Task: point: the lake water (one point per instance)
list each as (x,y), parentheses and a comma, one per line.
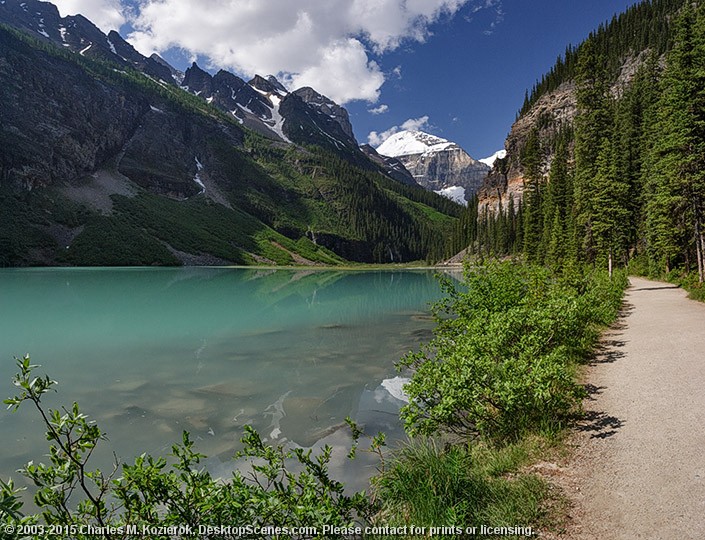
(149,353)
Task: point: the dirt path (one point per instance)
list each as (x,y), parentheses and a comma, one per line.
(639,471)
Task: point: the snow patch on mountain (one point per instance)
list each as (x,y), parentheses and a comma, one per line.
(454,193)
(277,121)
(499,154)
(407,143)
(197,177)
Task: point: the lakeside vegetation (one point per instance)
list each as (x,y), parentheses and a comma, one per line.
(503,394)
(623,185)
(498,384)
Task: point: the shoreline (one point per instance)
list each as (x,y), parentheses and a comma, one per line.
(357,268)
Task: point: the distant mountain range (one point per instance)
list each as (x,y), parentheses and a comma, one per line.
(438,164)
(111,157)
(257,104)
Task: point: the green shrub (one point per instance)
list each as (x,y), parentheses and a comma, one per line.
(690,282)
(502,362)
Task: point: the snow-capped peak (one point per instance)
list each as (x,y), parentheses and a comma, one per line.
(407,143)
(499,154)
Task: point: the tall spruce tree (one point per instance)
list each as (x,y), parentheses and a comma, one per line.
(610,215)
(533,197)
(592,124)
(558,206)
(677,169)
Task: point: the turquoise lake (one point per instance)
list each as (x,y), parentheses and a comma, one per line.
(148,353)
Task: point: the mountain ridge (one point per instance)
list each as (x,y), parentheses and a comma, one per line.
(103,164)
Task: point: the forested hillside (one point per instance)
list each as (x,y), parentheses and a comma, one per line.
(101,164)
(622,180)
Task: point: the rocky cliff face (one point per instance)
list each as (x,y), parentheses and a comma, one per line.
(552,112)
(328,108)
(435,163)
(58,123)
(450,167)
(506,180)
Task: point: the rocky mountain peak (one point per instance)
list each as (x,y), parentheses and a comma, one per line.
(412,142)
(121,48)
(198,81)
(270,85)
(435,163)
(176,74)
(233,94)
(392,166)
(276,84)
(39,17)
(328,107)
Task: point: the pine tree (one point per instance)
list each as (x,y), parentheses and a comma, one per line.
(677,168)
(592,123)
(558,206)
(610,217)
(533,198)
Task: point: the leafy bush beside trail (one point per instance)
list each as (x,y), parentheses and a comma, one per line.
(502,363)
(500,379)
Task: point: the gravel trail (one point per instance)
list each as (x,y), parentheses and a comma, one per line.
(639,468)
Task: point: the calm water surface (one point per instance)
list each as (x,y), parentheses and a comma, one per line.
(149,353)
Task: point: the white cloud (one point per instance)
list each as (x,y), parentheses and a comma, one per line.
(105,14)
(343,73)
(415,124)
(379,110)
(412,124)
(304,42)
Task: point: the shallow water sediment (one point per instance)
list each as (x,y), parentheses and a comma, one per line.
(149,353)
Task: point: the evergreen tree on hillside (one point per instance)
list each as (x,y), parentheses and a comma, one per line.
(610,218)
(533,198)
(592,126)
(558,219)
(632,137)
(677,170)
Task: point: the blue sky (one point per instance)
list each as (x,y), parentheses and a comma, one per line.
(455,68)
(471,83)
